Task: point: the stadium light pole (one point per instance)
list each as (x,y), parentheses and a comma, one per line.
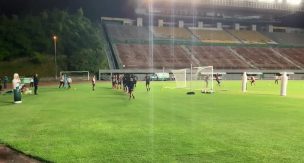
(55,51)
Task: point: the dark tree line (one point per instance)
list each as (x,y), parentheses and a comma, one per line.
(79,43)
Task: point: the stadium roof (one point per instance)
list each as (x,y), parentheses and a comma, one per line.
(282,5)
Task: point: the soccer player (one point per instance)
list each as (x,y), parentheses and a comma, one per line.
(93,82)
(148,80)
(135,80)
(5,81)
(0,85)
(36,83)
(113,81)
(69,81)
(131,88)
(17,89)
(252,80)
(217,79)
(117,83)
(32,81)
(119,78)
(125,82)
(206,80)
(61,82)
(276,81)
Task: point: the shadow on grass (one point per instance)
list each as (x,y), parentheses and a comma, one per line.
(22,153)
(6,103)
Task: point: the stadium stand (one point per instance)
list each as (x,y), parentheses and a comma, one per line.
(286,38)
(296,55)
(251,37)
(170,33)
(138,56)
(126,32)
(219,57)
(214,36)
(264,58)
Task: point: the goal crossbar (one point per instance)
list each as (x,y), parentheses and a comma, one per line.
(76,72)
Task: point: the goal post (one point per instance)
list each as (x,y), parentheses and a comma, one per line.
(77,75)
(180,77)
(202,79)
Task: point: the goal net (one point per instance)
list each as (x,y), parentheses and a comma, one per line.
(77,75)
(202,79)
(180,77)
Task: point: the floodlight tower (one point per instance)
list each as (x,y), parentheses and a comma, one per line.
(55,51)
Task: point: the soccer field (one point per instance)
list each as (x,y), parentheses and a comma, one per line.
(164,125)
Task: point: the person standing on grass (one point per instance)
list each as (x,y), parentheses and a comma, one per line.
(252,80)
(135,80)
(148,80)
(65,80)
(61,82)
(36,83)
(113,81)
(125,83)
(32,81)
(206,79)
(93,82)
(119,78)
(0,84)
(217,79)
(131,88)
(276,81)
(17,89)
(69,80)
(5,80)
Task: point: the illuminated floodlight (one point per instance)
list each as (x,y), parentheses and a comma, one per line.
(294,2)
(267,1)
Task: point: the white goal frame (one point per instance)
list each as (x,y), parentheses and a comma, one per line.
(67,72)
(183,74)
(199,69)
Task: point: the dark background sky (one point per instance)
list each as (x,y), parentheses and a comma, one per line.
(94,9)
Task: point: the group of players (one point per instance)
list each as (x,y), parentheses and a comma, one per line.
(127,82)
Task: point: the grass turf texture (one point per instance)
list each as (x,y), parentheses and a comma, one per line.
(164,125)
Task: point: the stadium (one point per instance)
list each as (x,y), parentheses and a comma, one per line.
(217,81)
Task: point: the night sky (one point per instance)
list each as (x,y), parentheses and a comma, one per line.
(94,9)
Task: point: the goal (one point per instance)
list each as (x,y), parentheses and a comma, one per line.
(180,77)
(77,75)
(202,79)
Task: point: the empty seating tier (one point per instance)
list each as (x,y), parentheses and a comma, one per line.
(140,56)
(214,36)
(264,58)
(172,33)
(251,37)
(296,55)
(219,57)
(125,32)
(286,38)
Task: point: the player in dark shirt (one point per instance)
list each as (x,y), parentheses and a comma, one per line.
(148,80)
(135,80)
(131,84)
(114,81)
(252,80)
(277,78)
(119,81)
(36,83)
(125,83)
(217,79)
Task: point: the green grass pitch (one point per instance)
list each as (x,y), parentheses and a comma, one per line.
(164,125)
